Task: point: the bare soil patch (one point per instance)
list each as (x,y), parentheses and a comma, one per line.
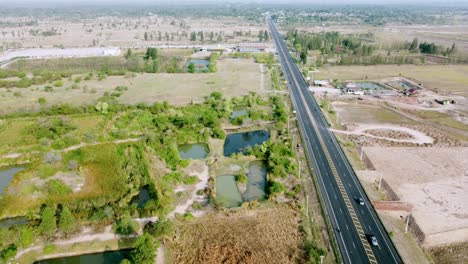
(435,182)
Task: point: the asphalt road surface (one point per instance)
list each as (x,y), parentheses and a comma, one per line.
(353,223)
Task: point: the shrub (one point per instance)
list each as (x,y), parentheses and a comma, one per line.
(57,187)
(42,101)
(161,228)
(58,83)
(189,180)
(126,226)
(242,178)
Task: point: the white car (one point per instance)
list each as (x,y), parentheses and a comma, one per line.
(374,241)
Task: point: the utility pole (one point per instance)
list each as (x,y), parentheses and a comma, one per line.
(321,259)
(361,153)
(307,206)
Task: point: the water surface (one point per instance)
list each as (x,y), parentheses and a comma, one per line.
(193,151)
(108,257)
(239,142)
(6,175)
(200,65)
(239,111)
(256,181)
(227,192)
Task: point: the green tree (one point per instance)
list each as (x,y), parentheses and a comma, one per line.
(66,221)
(48,225)
(129,54)
(8,253)
(162,227)
(266,37)
(414,44)
(145,250)
(151,54)
(126,225)
(146,36)
(26,236)
(303,56)
(191,68)
(260,35)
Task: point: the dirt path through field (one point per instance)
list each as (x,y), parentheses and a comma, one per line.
(201,171)
(417,137)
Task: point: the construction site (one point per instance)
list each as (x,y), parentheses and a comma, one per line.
(407,141)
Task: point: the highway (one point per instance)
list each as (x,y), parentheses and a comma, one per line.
(340,189)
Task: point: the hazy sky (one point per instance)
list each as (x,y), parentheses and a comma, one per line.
(61,2)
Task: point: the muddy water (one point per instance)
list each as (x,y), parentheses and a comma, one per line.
(108,257)
(193,151)
(240,142)
(6,175)
(256,181)
(227,192)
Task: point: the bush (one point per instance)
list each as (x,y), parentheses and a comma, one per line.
(274,188)
(8,253)
(49,249)
(189,180)
(42,101)
(58,83)
(126,226)
(161,228)
(242,178)
(57,187)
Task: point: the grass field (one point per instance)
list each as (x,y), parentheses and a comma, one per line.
(14,133)
(444,78)
(360,113)
(260,236)
(234,77)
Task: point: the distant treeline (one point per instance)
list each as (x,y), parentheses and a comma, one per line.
(362,49)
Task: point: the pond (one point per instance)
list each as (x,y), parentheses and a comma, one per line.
(240,110)
(369,86)
(227,192)
(193,151)
(6,175)
(7,222)
(108,257)
(239,142)
(200,65)
(256,181)
(142,197)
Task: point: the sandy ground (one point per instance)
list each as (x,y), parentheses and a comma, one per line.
(417,136)
(126,31)
(435,182)
(199,169)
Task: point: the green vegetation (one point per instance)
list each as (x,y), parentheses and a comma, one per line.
(145,250)
(48,225)
(126,226)
(159,229)
(242,178)
(67,222)
(361,49)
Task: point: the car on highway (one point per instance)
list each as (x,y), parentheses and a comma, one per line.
(374,240)
(360,201)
